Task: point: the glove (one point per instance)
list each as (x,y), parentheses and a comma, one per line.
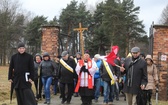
(82,69)
(86,70)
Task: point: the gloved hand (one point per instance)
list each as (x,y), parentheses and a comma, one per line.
(86,70)
(82,69)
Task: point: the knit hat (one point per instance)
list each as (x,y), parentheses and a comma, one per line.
(46,54)
(97,56)
(79,53)
(20,44)
(64,53)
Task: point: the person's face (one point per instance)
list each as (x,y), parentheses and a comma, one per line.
(148,61)
(135,54)
(46,58)
(95,59)
(86,56)
(142,57)
(65,57)
(38,59)
(21,50)
(78,56)
(107,54)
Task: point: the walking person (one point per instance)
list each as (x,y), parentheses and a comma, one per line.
(67,74)
(48,70)
(77,58)
(37,80)
(55,80)
(106,73)
(86,69)
(136,76)
(97,79)
(21,73)
(152,78)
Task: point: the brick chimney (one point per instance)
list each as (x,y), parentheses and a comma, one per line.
(50,40)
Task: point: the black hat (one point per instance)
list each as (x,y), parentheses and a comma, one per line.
(20,44)
(64,53)
(45,54)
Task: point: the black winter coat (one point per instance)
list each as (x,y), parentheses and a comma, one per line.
(48,68)
(136,74)
(66,76)
(103,72)
(20,66)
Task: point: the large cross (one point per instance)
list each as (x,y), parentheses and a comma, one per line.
(80,30)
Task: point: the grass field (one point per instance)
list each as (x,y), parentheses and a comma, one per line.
(5,89)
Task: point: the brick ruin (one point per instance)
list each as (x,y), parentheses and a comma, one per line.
(158,47)
(50,42)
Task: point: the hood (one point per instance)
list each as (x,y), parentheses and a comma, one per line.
(37,55)
(149,57)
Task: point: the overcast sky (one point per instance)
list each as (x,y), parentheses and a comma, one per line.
(150,10)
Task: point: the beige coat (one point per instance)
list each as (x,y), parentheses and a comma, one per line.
(152,77)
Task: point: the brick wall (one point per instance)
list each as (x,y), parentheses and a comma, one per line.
(160,47)
(50,40)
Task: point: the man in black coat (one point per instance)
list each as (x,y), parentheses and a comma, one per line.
(66,76)
(136,76)
(21,73)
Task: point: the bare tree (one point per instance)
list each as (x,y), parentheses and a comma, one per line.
(164,16)
(11,27)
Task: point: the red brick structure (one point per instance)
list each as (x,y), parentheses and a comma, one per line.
(50,40)
(158,47)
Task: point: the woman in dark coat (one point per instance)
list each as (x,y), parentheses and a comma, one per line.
(48,70)
(21,73)
(37,80)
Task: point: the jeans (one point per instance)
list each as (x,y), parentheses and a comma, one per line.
(46,84)
(97,87)
(111,93)
(106,91)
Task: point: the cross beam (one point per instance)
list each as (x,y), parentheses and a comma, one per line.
(80,30)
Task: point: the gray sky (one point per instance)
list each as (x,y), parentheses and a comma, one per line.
(150,10)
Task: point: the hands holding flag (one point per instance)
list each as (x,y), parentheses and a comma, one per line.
(112,56)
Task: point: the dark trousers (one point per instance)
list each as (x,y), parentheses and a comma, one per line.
(38,85)
(70,91)
(86,100)
(25,97)
(149,95)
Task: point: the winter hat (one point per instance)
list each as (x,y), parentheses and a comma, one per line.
(135,49)
(64,53)
(20,44)
(46,54)
(79,53)
(97,56)
(149,57)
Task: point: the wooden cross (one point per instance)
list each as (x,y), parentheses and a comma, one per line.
(80,30)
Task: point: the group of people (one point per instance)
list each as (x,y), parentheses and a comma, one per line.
(82,76)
